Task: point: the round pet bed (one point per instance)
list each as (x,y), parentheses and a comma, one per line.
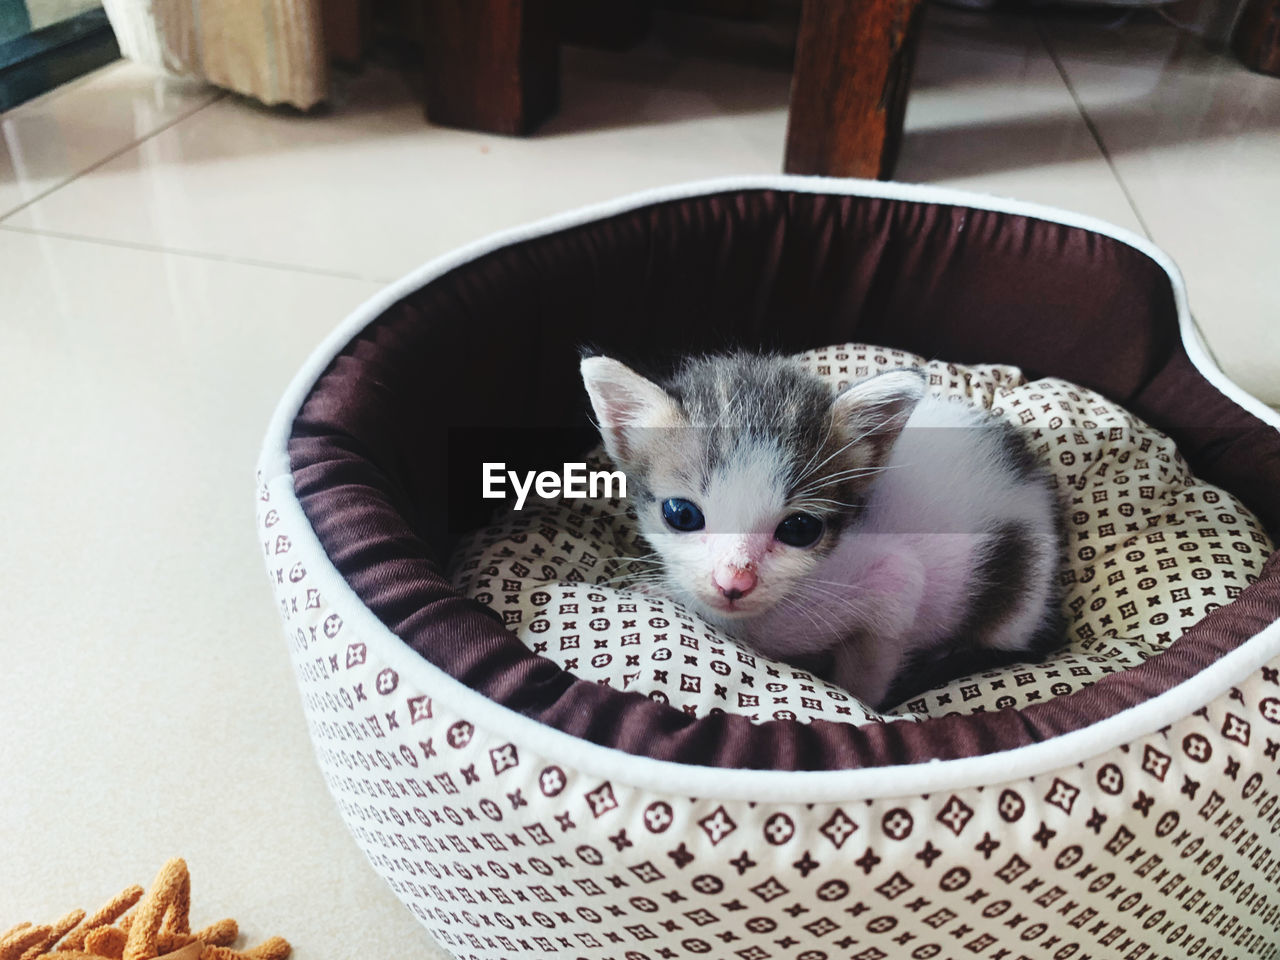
(522,810)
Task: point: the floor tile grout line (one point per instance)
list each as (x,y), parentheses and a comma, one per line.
(218,95)
(1091,126)
(195,254)
(1106,155)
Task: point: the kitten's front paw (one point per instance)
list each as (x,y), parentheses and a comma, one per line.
(866,670)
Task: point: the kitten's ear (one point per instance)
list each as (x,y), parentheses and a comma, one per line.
(626,405)
(877,409)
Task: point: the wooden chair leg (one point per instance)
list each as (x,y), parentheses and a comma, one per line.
(731,9)
(609,24)
(492,65)
(346,29)
(849,88)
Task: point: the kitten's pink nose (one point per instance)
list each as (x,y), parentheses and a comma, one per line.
(734,582)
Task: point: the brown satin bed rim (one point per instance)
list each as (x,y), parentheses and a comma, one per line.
(487,339)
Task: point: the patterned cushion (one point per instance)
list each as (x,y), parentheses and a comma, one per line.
(1151,550)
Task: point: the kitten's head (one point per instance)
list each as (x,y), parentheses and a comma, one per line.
(745,469)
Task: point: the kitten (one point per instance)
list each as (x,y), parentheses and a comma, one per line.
(895,537)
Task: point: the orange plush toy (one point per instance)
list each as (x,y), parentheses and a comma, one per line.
(159,929)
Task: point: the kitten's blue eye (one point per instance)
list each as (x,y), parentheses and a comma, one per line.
(799,530)
(682,515)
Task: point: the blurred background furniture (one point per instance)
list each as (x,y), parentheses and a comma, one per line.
(492,65)
(273,51)
(1256,38)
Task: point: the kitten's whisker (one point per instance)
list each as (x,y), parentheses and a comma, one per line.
(814,613)
(805,578)
(803,472)
(651,570)
(812,470)
(824,587)
(819,589)
(865,433)
(822,619)
(857,472)
(831,597)
(636,577)
(815,501)
(625,578)
(805,612)
(845,475)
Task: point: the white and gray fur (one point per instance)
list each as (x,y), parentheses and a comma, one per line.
(940,545)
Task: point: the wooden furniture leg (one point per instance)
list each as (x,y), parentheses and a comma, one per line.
(492,65)
(611,24)
(1256,36)
(346,29)
(732,9)
(849,86)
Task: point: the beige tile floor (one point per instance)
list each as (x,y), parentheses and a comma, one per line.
(168,256)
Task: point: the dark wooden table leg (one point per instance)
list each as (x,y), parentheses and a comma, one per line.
(732,9)
(492,65)
(610,24)
(849,87)
(1256,36)
(346,29)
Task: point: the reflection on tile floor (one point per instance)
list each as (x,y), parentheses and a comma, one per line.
(1193,138)
(989,112)
(46,143)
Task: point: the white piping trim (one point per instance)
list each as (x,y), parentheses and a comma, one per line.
(737,784)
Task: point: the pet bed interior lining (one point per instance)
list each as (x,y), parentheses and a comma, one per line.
(1149,549)
(367,447)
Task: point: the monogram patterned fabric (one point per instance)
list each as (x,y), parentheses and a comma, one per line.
(1163,846)
(1150,551)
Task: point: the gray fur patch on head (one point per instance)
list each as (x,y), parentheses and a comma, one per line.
(754,426)
(742,399)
